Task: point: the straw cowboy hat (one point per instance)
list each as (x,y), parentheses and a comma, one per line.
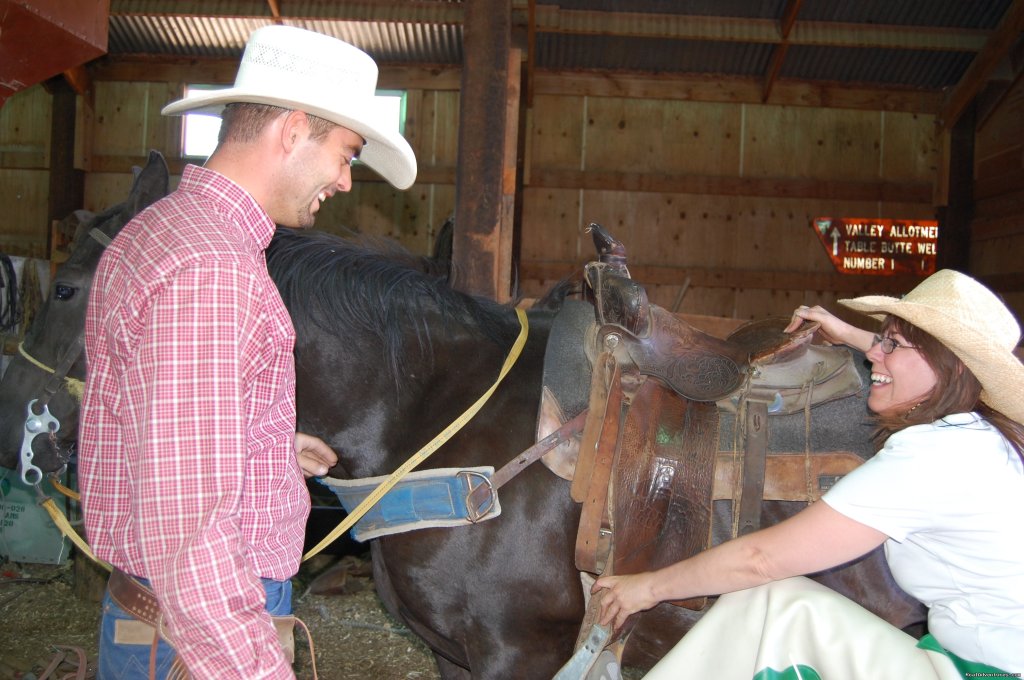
(311,72)
(971,321)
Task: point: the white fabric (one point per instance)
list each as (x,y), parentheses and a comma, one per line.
(797,622)
(950,496)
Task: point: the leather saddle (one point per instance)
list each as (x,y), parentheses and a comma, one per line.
(647,466)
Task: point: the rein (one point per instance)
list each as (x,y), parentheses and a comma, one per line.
(429,448)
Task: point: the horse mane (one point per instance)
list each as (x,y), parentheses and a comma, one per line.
(375,285)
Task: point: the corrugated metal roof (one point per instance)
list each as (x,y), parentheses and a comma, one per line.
(909,68)
(967,14)
(651,55)
(919,44)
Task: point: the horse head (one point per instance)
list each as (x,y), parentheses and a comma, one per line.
(40,392)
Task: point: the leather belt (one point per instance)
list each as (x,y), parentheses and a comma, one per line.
(134,597)
(140,601)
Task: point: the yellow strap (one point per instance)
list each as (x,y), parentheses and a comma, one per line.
(65,528)
(75,387)
(70,493)
(428,449)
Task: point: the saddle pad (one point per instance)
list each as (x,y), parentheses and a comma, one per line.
(566,365)
(420,500)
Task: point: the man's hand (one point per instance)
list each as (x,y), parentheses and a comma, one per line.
(315,456)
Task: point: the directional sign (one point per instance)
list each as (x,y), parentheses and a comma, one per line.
(879,247)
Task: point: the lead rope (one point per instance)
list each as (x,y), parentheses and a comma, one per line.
(75,386)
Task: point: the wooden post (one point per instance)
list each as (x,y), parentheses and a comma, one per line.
(67,185)
(953,249)
(481,245)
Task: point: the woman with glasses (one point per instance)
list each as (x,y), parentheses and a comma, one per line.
(944,495)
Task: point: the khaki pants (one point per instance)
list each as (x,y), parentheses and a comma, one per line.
(799,629)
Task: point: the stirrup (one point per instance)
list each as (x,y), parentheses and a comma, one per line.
(606,668)
(577,667)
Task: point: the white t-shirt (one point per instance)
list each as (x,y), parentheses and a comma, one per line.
(950,497)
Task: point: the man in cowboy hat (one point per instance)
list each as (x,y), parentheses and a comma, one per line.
(190,480)
(944,495)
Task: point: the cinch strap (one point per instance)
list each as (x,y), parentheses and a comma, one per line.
(427,498)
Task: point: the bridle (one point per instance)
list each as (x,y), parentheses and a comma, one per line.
(44,422)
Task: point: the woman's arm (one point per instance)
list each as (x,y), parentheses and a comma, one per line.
(815,539)
(833,329)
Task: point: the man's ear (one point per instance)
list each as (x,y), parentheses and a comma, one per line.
(294,129)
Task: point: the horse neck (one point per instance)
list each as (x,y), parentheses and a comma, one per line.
(377,418)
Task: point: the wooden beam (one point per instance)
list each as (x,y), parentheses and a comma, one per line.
(720,89)
(904,192)
(275,10)
(745,279)
(394,11)
(425,174)
(736,90)
(953,247)
(531,49)
(222,71)
(554,19)
(994,94)
(996,48)
(608,181)
(779,53)
(479,177)
(67,185)
(79,80)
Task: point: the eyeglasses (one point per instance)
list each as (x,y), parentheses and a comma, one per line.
(890,344)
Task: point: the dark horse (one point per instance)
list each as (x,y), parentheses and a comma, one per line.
(387,355)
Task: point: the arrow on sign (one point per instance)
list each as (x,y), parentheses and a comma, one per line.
(835,241)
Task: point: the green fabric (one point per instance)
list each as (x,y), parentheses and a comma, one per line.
(798,672)
(967,669)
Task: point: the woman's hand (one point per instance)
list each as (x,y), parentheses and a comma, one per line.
(315,456)
(833,329)
(623,596)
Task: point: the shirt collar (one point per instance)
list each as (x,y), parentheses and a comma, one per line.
(236,204)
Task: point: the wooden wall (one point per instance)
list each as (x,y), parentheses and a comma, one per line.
(714,200)
(997,230)
(24,173)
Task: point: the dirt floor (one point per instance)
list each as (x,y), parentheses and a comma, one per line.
(354,636)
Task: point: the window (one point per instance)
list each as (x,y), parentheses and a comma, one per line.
(199,130)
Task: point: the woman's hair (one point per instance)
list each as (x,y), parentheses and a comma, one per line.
(956,390)
(243,122)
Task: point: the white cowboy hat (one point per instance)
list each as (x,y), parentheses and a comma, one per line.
(971,321)
(320,75)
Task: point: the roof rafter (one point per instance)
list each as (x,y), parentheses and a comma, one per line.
(984,65)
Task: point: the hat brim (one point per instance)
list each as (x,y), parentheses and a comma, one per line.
(999,371)
(386,151)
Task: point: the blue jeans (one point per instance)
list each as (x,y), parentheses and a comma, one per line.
(129,660)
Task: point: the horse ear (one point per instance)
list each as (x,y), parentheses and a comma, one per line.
(151,183)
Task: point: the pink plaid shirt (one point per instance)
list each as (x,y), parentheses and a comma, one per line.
(187,467)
